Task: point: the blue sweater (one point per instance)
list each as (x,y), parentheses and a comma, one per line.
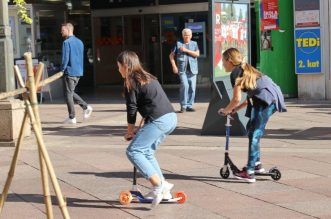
(72,57)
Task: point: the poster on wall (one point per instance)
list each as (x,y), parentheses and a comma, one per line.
(266,40)
(308,51)
(230,30)
(307,13)
(269,15)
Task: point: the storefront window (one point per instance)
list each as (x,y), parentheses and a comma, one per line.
(50,39)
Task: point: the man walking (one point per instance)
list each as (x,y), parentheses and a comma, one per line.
(72,66)
(186,53)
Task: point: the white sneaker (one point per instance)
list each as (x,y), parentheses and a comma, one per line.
(159,191)
(88,112)
(70,121)
(166,195)
(258,167)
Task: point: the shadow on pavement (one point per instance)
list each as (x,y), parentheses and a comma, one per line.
(168,176)
(100,130)
(313,133)
(73,202)
(312,106)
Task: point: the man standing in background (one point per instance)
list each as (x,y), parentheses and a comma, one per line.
(72,66)
(186,53)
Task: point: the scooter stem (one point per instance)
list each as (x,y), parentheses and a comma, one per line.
(228,118)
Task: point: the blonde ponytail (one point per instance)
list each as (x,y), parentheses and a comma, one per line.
(248,80)
(250,74)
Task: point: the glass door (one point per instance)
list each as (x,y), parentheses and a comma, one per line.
(108,43)
(138,33)
(133,39)
(151,46)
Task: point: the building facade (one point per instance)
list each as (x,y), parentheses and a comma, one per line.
(152,27)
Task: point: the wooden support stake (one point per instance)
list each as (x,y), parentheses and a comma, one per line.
(40,71)
(33,98)
(19,76)
(34,115)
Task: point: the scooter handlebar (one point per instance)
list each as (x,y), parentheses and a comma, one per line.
(228,118)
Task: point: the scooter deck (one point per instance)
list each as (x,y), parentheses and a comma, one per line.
(137,197)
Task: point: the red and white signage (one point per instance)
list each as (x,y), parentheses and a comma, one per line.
(269,15)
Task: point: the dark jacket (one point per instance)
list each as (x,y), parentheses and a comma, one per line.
(149,100)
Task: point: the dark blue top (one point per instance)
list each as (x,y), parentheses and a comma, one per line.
(72,57)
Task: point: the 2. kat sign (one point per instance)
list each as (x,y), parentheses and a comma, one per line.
(308,51)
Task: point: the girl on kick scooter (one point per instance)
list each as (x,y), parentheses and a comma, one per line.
(144,94)
(264,97)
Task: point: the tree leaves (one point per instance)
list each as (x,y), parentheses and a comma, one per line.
(22,11)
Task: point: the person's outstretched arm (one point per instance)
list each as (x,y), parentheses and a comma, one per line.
(233,103)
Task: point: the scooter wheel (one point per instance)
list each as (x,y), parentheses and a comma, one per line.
(224,173)
(275,174)
(125,198)
(181,195)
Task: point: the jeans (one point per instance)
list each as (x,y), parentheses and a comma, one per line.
(255,129)
(71,97)
(187,89)
(141,150)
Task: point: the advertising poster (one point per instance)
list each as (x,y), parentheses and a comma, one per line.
(230,30)
(308,51)
(266,40)
(307,13)
(269,15)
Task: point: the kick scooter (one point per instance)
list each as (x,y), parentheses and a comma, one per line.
(274,172)
(134,195)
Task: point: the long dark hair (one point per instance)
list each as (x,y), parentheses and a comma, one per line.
(136,73)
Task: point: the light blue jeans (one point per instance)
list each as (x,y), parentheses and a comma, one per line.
(188,83)
(255,130)
(141,150)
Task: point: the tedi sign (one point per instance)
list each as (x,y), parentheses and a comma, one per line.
(308,51)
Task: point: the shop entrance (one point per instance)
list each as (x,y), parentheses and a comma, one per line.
(139,33)
(151,32)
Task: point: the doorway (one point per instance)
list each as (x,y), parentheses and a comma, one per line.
(138,33)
